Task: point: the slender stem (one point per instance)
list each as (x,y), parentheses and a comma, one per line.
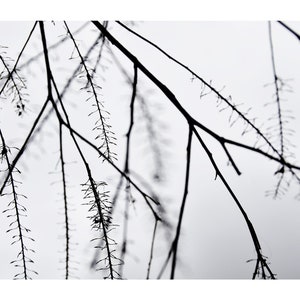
(54,46)
(127,170)
(128,134)
(97,102)
(37,125)
(185,193)
(66,86)
(23,148)
(230,158)
(65,200)
(50,79)
(167,92)
(10,75)
(99,209)
(15,199)
(232,106)
(17,61)
(145,195)
(151,250)
(243,212)
(276,90)
(290,30)
(153,136)
(125,230)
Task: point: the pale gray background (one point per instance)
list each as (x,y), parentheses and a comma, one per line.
(215,242)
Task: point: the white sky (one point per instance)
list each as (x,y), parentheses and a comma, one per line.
(215,242)
(212,10)
(281,223)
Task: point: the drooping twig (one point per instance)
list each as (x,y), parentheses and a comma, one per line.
(37,124)
(185,193)
(91,185)
(65,88)
(166,91)
(223,141)
(17,210)
(151,250)
(66,211)
(146,197)
(25,144)
(106,133)
(260,258)
(278,102)
(174,244)
(74,132)
(127,170)
(99,56)
(149,118)
(66,123)
(278,84)
(15,90)
(52,47)
(128,134)
(17,61)
(232,106)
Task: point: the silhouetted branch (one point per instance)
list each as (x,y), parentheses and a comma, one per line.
(166,91)
(62,161)
(149,119)
(185,193)
(17,61)
(279,84)
(37,125)
(256,243)
(232,106)
(276,91)
(96,195)
(106,133)
(94,70)
(52,47)
(19,210)
(152,249)
(144,195)
(91,185)
(15,89)
(127,170)
(290,30)
(25,144)
(66,87)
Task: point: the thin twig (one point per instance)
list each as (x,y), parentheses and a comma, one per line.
(66,87)
(232,106)
(50,79)
(147,116)
(16,206)
(151,250)
(243,212)
(127,170)
(54,46)
(290,30)
(276,91)
(25,144)
(185,193)
(62,161)
(17,61)
(104,126)
(10,75)
(166,91)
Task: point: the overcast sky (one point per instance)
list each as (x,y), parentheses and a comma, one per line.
(215,242)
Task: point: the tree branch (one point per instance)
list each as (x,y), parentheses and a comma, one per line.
(290,30)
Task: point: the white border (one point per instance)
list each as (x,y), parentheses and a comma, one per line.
(150,10)
(153,289)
